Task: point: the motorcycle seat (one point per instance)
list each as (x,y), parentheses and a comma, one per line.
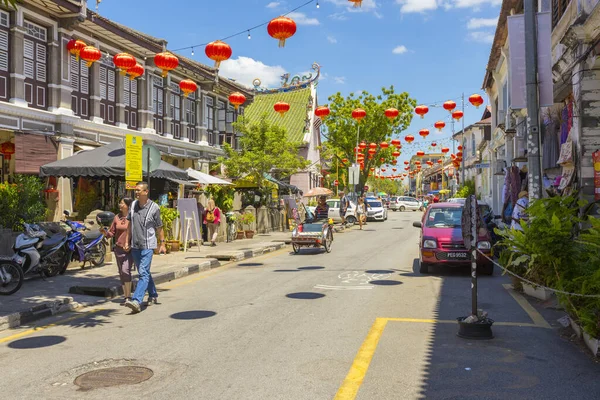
(53,240)
(91,235)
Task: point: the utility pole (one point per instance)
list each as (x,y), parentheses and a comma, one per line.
(463,136)
(533,117)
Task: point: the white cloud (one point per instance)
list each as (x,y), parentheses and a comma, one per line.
(417,6)
(400,49)
(421,6)
(302,19)
(340,16)
(478,23)
(245,69)
(339,79)
(331,39)
(273,4)
(482,36)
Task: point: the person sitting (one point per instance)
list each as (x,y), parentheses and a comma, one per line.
(322,210)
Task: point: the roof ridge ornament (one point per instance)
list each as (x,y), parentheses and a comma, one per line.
(297,82)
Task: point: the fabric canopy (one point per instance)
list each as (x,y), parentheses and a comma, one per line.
(104,162)
(205,179)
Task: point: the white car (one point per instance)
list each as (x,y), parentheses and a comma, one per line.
(334,211)
(460,200)
(376,210)
(403,203)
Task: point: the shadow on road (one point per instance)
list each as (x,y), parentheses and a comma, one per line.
(196,314)
(305,295)
(36,342)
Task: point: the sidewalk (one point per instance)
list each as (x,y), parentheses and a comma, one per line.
(39,298)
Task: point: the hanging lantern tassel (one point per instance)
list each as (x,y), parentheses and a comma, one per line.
(357,3)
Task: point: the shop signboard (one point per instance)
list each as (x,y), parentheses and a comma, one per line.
(133,160)
(596,161)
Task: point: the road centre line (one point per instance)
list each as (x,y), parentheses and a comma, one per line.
(535,316)
(43,327)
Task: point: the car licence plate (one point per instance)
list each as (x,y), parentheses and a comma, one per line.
(462,255)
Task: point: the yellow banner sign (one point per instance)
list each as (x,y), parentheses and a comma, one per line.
(133,158)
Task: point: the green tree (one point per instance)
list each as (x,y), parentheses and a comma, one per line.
(10,3)
(264,149)
(384,185)
(341,130)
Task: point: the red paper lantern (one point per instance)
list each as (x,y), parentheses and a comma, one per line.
(476,100)
(449,106)
(420,153)
(396,142)
(459,154)
(90,55)
(188,86)
(445,150)
(440,125)
(281,28)
(406,163)
(382,159)
(372,169)
(391,113)
(421,111)
(345,160)
(424,133)
(75,46)
(370,156)
(166,62)
(434,144)
(136,71)
(281,107)
(409,138)
(237,99)
(382,169)
(372,151)
(459,148)
(384,145)
(394,162)
(7,149)
(322,111)
(124,61)
(394,169)
(218,51)
(457,115)
(362,145)
(372,146)
(357,3)
(440,161)
(359,114)
(396,154)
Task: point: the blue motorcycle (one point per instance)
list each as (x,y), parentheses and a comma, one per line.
(83,245)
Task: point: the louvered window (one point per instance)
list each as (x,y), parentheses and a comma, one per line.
(108,104)
(558,9)
(130,98)
(35,55)
(4,55)
(229,119)
(209,118)
(221,124)
(190,117)
(175,110)
(158,103)
(80,83)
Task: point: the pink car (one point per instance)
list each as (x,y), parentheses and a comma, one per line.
(441,241)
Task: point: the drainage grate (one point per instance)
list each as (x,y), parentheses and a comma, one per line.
(116,376)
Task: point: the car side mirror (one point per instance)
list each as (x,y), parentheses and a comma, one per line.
(67,212)
(417,225)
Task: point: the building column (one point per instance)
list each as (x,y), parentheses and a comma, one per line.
(17,73)
(167,130)
(120,95)
(65,200)
(145,120)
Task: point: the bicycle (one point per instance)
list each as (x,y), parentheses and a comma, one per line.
(231,227)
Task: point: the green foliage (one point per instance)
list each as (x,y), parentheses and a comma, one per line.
(86,202)
(222,195)
(384,185)
(264,149)
(168,215)
(341,131)
(558,248)
(247,218)
(10,3)
(466,190)
(21,201)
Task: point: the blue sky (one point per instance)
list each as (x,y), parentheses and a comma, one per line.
(433,49)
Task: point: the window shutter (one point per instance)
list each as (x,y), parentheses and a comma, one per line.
(111,85)
(84,85)
(40,62)
(3,40)
(28,49)
(133,94)
(28,53)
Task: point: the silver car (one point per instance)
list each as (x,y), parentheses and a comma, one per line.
(376,210)
(404,203)
(334,211)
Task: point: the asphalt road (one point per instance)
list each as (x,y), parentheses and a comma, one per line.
(360,322)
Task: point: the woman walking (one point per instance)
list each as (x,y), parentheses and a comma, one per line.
(212,219)
(361,215)
(118,230)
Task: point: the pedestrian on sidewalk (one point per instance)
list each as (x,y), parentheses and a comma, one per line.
(212,219)
(519,212)
(361,214)
(118,230)
(145,225)
(344,205)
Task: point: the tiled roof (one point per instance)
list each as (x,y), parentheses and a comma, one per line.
(293,121)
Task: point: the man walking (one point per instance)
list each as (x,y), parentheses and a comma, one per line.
(344,205)
(145,225)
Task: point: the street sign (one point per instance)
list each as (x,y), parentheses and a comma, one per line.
(336,183)
(353,174)
(484,165)
(133,159)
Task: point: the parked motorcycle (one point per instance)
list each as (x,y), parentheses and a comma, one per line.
(492,222)
(35,252)
(84,245)
(11,276)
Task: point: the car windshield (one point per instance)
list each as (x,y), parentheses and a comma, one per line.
(444,217)
(374,204)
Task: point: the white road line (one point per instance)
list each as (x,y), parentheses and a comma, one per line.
(328,287)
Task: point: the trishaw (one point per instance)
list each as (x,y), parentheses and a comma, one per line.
(312,232)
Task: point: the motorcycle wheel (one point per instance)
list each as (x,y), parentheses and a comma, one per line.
(55,268)
(97,257)
(16,281)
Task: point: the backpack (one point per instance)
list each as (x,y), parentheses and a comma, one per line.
(210,216)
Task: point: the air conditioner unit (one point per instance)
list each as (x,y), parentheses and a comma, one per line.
(510,124)
(499,167)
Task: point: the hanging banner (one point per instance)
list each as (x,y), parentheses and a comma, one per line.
(596,161)
(133,160)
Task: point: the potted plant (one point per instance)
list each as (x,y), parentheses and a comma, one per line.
(168,215)
(246,220)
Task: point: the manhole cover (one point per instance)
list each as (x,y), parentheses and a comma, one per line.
(116,376)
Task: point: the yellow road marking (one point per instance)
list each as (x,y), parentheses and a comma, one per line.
(358,370)
(41,328)
(535,316)
(445,321)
